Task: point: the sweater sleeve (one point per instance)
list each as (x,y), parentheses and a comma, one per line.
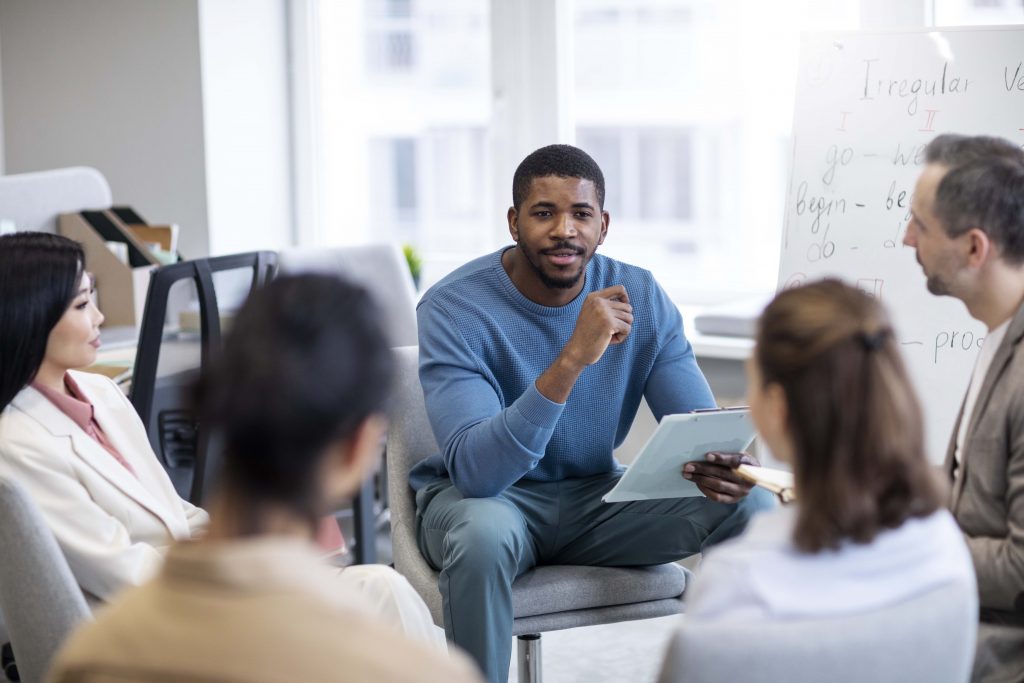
(675,384)
(485,446)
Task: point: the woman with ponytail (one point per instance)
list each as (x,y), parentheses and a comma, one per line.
(830,395)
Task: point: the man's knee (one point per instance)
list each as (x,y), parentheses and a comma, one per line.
(491,532)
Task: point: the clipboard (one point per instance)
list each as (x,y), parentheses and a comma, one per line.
(657,471)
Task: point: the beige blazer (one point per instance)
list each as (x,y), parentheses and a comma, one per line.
(987,496)
(112,526)
(261,610)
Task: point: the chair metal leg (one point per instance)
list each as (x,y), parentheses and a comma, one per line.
(365,550)
(528,658)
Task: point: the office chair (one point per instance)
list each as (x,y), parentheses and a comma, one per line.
(380,268)
(383,271)
(547,598)
(161,402)
(927,638)
(39,597)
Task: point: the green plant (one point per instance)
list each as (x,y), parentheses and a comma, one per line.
(412,257)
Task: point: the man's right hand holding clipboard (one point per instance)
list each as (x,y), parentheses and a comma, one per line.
(717,477)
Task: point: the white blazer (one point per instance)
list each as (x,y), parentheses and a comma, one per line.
(112,526)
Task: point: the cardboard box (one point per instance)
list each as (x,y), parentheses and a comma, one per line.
(120,288)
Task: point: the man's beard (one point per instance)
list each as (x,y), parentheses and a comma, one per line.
(564,282)
(937,286)
(935,283)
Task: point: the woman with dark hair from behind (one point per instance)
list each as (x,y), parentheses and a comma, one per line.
(829,394)
(298,397)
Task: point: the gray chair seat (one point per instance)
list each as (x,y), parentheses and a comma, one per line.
(564,588)
(556,597)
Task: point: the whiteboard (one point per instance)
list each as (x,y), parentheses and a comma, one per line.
(866,105)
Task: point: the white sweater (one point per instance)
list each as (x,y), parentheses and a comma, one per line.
(761,574)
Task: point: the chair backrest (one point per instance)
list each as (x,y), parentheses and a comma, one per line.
(410,439)
(144,377)
(930,637)
(380,268)
(39,597)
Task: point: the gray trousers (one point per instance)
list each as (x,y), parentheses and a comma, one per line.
(480,545)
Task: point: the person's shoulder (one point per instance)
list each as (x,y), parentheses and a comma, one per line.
(1008,392)
(768,532)
(373,650)
(464,280)
(938,529)
(22,422)
(384,655)
(606,267)
(638,281)
(96,383)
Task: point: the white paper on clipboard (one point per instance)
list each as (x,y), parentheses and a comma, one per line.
(657,471)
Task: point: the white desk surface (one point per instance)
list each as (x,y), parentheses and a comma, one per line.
(714,346)
(721,348)
(178,353)
(182,354)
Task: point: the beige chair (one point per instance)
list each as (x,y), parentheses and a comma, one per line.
(548,598)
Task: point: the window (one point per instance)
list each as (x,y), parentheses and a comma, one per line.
(978,12)
(403,122)
(687,107)
(686,104)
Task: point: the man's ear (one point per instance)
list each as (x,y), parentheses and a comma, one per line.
(979,246)
(513,223)
(350,461)
(606,219)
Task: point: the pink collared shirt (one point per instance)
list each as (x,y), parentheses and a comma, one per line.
(82,413)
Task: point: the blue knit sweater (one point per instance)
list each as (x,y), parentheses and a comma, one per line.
(482,347)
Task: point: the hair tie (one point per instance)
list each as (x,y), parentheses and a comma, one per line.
(874,340)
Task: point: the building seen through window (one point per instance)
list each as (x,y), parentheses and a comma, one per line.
(404,115)
(978,12)
(685,104)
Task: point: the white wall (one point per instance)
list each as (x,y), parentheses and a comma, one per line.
(246,112)
(113,84)
(1,116)
(182,104)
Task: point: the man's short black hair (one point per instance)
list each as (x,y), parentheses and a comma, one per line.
(564,161)
(983,188)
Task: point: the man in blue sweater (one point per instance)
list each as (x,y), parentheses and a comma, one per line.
(533,361)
